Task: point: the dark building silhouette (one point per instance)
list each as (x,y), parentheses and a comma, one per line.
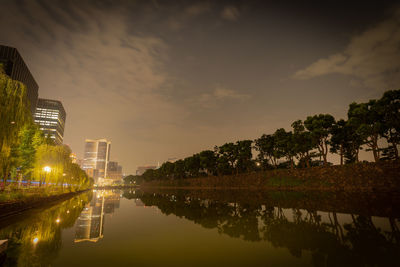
(114,170)
(16,68)
(50,116)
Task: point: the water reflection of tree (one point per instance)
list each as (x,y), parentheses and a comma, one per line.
(359,243)
(36,240)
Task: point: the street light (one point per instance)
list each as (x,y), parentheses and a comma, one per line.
(46,170)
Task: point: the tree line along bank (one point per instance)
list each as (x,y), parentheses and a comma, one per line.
(25,153)
(306,145)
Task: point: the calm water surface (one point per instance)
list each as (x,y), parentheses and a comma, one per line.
(215,228)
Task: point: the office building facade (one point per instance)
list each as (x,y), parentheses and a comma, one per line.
(16,68)
(114,171)
(50,116)
(96,158)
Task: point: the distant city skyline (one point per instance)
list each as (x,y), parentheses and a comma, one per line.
(164,79)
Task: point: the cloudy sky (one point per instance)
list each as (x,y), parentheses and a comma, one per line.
(166,79)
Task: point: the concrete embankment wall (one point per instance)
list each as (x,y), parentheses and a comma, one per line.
(362,177)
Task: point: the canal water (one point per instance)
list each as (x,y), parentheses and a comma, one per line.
(207,228)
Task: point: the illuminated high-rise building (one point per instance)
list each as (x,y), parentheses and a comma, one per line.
(50,116)
(96,157)
(15,67)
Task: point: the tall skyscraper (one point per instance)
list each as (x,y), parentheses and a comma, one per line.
(50,115)
(16,68)
(96,158)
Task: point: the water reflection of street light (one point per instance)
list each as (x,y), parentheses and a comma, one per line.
(58,220)
(35,240)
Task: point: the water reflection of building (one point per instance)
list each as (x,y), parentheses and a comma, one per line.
(90,224)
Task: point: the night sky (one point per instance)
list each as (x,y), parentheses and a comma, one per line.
(166,79)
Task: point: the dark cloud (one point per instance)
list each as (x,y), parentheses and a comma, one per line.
(372,57)
(230,13)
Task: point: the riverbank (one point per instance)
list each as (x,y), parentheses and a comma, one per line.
(16,206)
(361,177)
(110,187)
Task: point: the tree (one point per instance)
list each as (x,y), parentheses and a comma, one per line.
(267,151)
(367,119)
(192,165)
(167,170)
(14,114)
(30,139)
(227,158)
(179,169)
(244,156)
(320,127)
(389,106)
(208,162)
(133,179)
(302,143)
(339,139)
(150,175)
(284,145)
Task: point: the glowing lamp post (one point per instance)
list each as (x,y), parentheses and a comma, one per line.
(63,180)
(46,170)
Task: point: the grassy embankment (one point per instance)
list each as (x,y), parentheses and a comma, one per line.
(366,177)
(11,195)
